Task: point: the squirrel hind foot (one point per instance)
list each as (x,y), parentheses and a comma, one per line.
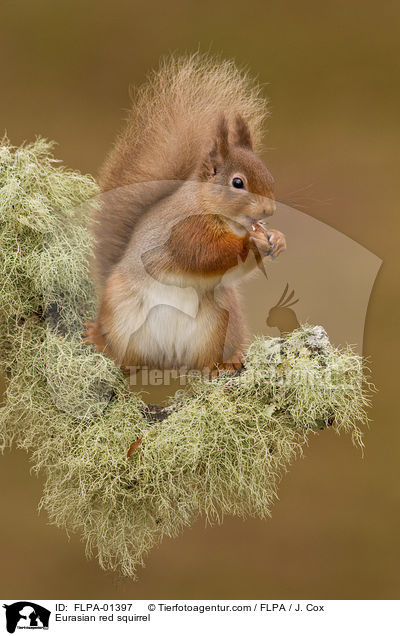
(93,336)
(232,367)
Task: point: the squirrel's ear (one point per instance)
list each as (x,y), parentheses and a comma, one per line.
(243,136)
(218,153)
(210,165)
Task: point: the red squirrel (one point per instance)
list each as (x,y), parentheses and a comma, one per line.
(184,195)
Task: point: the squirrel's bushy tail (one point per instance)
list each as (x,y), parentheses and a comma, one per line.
(174,116)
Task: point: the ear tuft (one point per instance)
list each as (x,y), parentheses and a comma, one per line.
(243,135)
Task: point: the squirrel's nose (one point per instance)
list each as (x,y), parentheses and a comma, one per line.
(270,208)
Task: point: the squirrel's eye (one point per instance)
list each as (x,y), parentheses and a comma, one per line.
(237,182)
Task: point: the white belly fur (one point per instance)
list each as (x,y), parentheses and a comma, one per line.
(169,329)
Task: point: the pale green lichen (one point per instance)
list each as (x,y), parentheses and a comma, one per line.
(222,452)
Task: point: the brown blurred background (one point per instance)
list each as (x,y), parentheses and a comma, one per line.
(332,70)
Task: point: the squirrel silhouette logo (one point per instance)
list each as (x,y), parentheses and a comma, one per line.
(281,316)
(26,615)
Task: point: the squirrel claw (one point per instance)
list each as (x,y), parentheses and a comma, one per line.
(267,243)
(277,243)
(92,335)
(233,367)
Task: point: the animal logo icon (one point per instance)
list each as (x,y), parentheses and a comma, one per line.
(281,315)
(26,615)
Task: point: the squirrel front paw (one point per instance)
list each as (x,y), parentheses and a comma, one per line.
(267,242)
(277,242)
